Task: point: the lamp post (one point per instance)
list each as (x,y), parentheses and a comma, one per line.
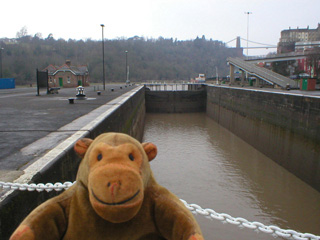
(127,77)
(217,76)
(248,13)
(104,78)
(1,62)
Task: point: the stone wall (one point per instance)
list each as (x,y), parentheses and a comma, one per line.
(283,126)
(176,101)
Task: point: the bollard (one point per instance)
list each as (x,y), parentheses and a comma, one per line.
(80,93)
(71,100)
(288,86)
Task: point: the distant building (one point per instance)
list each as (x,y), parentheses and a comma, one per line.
(304,41)
(68,75)
(200,79)
(305,47)
(303,36)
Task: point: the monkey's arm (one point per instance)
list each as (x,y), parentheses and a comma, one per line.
(47,221)
(173,219)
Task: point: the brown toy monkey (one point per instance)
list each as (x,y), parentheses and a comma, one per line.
(115,197)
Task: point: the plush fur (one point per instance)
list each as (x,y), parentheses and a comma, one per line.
(115,197)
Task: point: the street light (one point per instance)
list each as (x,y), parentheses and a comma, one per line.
(1,62)
(248,13)
(127,74)
(104,78)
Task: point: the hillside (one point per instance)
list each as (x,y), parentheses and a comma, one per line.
(148,59)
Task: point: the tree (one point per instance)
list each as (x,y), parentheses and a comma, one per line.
(149,59)
(22,33)
(313,61)
(282,67)
(38,35)
(50,37)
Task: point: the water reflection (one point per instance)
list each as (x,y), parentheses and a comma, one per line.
(205,164)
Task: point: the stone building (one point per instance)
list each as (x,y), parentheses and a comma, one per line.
(68,75)
(290,38)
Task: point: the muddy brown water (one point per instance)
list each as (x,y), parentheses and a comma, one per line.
(203,163)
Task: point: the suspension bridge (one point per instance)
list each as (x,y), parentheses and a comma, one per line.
(247,66)
(260,45)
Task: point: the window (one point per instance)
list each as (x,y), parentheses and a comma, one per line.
(68,80)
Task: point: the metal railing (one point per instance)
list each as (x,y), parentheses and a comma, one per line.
(173,86)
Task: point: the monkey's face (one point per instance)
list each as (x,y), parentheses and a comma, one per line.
(115,182)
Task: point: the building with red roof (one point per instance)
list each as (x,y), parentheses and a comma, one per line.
(68,75)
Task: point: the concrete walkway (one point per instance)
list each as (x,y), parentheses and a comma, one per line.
(262,73)
(31,125)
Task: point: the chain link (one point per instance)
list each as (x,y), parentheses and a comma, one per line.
(209,213)
(36,187)
(241,222)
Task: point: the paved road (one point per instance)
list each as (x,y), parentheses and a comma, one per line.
(26,118)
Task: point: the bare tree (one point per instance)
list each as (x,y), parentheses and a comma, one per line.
(313,61)
(22,33)
(38,35)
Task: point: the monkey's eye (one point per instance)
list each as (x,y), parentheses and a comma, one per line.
(99,157)
(131,157)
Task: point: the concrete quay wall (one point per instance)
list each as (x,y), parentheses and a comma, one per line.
(124,114)
(283,126)
(176,101)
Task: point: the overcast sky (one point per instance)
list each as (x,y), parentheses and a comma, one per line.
(221,20)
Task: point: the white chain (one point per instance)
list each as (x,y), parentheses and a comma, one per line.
(36,187)
(241,222)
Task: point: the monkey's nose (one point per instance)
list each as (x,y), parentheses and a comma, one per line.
(114,187)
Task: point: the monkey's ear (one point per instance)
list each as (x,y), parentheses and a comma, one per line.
(82,146)
(150,149)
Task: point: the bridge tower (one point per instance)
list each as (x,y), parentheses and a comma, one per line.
(238,43)
(239,49)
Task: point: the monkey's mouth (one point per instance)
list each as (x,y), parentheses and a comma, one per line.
(116,203)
